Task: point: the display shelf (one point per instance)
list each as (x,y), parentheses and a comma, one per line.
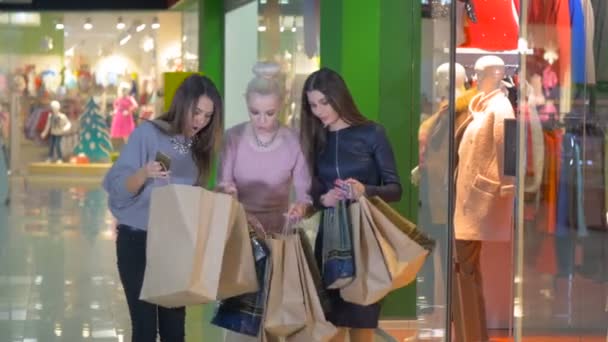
(68,169)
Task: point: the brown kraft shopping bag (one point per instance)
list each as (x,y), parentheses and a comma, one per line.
(238,273)
(373,280)
(403,256)
(285,313)
(187,234)
(317,329)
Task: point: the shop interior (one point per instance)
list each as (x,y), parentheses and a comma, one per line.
(547,279)
(104,70)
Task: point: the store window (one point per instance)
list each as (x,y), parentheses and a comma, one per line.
(288,34)
(561,234)
(432,175)
(528,84)
(58,62)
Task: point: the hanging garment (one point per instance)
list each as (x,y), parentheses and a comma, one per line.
(577,21)
(593,165)
(548,201)
(600,48)
(484,195)
(497,26)
(589,38)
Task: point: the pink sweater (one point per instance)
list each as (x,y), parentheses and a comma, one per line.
(484,196)
(265,177)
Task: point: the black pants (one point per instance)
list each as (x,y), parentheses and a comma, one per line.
(146,319)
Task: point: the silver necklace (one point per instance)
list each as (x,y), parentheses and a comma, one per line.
(182,147)
(262,144)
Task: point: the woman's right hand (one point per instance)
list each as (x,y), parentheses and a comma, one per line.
(227,188)
(332,197)
(154,169)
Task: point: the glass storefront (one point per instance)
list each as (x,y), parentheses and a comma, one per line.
(432,175)
(116,59)
(515,99)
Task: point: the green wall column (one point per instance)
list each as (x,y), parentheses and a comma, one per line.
(375,46)
(211,40)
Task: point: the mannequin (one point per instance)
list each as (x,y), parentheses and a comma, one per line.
(442,81)
(57,125)
(431,174)
(484,196)
(124,107)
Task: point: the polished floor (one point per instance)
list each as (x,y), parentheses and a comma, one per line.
(59,282)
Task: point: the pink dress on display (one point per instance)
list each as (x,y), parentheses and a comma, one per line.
(123,123)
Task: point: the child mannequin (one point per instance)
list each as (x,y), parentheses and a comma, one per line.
(57,125)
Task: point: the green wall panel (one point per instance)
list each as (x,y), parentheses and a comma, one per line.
(399,113)
(375,45)
(331,34)
(361,53)
(28,39)
(211,40)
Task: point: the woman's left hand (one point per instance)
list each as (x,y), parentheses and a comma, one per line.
(297,211)
(357,188)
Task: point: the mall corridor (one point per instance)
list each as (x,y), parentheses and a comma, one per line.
(58,277)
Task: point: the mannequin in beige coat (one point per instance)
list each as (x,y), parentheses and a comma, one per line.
(484,196)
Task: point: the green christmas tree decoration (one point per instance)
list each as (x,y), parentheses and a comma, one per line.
(95,141)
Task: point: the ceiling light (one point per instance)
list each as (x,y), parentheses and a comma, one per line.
(155,24)
(120,25)
(87,24)
(125,39)
(262,28)
(140,27)
(59,25)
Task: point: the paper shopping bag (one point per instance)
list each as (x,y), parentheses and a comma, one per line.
(187,234)
(238,273)
(403,256)
(285,313)
(373,280)
(317,329)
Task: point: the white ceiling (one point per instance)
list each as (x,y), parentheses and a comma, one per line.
(104,35)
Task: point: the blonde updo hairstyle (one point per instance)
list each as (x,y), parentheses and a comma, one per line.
(265,81)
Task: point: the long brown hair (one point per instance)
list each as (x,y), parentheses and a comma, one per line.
(207,141)
(332,86)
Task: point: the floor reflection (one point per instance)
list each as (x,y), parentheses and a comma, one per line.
(58,277)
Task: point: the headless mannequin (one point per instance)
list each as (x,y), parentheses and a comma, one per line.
(57,125)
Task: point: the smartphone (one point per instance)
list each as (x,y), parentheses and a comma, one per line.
(164,160)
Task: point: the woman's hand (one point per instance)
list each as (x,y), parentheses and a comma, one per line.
(155,170)
(356,189)
(227,188)
(332,197)
(297,211)
(255,224)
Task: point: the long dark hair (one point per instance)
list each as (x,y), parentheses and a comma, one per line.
(332,86)
(207,141)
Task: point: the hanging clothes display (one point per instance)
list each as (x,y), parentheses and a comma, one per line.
(496,27)
(589,38)
(600,48)
(577,22)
